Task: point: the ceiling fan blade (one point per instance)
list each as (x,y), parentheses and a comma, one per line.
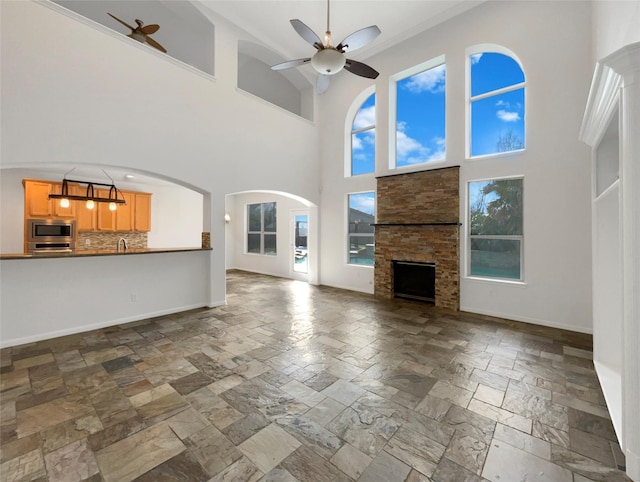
(306,33)
(155,44)
(149,29)
(359,39)
(322,84)
(121,21)
(363,70)
(290,64)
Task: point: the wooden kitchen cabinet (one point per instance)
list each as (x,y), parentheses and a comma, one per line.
(134,215)
(130,216)
(37,203)
(36,199)
(142,210)
(86,219)
(125,212)
(57,210)
(106,217)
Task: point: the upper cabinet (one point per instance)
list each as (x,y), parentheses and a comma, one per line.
(142,216)
(37,203)
(133,215)
(36,199)
(56,209)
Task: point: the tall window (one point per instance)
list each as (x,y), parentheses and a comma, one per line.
(361,213)
(495,229)
(261,228)
(363,138)
(420,115)
(496,100)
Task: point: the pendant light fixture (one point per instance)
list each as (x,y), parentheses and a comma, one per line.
(114,198)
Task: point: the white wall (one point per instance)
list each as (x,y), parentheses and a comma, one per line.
(257,78)
(176,217)
(615,24)
(11,212)
(552,39)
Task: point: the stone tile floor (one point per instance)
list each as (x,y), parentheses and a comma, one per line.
(291,382)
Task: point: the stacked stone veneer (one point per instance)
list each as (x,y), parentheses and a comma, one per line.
(411,211)
(109,240)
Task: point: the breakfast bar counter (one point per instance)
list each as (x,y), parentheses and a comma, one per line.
(58,294)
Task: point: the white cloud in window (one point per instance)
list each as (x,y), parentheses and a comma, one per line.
(412,151)
(365,204)
(432,80)
(365,117)
(507,116)
(475,58)
(439,153)
(363,139)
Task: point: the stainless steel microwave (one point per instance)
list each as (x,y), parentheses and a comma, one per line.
(51,235)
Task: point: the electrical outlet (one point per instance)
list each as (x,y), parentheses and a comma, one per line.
(133,298)
(87,242)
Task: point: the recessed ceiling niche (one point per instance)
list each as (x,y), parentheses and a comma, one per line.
(287,89)
(184,31)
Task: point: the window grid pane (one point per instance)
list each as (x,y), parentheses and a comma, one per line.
(254,217)
(360,239)
(269,210)
(420,117)
(363,139)
(497,105)
(261,228)
(496,228)
(497,123)
(496,258)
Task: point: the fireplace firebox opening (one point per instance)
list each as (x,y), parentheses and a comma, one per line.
(414,281)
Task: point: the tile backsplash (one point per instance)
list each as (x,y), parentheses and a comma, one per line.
(109,240)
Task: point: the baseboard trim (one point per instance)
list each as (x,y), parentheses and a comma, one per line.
(526,319)
(633,465)
(96,326)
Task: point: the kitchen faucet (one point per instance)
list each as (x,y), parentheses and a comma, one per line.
(124,242)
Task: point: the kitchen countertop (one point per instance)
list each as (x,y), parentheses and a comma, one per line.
(97,252)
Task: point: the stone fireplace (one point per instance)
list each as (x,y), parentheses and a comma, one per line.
(418,222)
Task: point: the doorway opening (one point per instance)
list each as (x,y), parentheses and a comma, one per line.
(300,230)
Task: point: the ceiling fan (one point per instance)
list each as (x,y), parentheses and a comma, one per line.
(141,32)
(329,60)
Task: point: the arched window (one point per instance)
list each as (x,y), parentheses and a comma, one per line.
(496,93)
(363,138)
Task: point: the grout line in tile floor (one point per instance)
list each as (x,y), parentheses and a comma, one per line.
(293,382)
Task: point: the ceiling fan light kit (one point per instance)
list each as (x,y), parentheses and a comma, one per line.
(329,60)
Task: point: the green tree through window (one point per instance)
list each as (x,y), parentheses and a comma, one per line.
(496,228)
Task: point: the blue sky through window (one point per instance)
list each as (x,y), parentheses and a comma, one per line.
(364,202)
(497,121)
(420,127)
(363,143)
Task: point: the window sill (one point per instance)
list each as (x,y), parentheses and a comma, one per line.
(496,155)
(521,284)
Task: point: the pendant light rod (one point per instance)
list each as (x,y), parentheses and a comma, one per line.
(328,27)
(113,193)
